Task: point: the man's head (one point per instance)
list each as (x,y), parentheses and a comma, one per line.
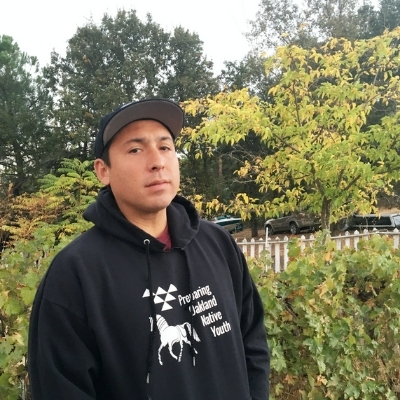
(164,111)
(142,169)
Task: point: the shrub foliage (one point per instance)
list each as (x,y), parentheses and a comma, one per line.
(333,320)
(33,229)
(21,270)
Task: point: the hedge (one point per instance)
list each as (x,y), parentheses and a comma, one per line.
(332,318)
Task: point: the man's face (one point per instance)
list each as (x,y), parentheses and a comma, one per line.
(143,171)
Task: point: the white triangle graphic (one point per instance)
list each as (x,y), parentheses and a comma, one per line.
(172,288)
(158,300)
(166,306)
(146,293)
(169,297)
(160,291)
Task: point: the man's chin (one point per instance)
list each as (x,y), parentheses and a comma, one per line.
(158,206)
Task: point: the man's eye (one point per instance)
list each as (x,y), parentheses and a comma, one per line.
(134,150)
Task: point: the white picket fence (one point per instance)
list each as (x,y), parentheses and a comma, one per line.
(277,249)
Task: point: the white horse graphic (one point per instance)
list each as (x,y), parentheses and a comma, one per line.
(170,335)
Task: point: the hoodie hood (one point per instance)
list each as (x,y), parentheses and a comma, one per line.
(183,222)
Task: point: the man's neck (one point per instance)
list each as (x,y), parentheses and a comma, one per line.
(153,224)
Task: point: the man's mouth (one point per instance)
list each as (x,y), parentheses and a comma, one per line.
(158,182)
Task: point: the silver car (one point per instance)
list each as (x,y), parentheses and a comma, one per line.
(371,221)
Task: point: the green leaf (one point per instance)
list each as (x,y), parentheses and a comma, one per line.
(27,295)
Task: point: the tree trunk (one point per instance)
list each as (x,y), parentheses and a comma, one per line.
(254,225)
(220,179)
(19,170)
(326,213)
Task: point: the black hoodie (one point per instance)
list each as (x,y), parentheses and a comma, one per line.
(91,333)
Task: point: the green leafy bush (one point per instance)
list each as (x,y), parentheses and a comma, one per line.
(39,225)
(22,268)
(333,321)
(332,317)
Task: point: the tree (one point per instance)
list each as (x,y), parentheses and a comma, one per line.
(250,74)
(333,18)
(278,23)
(281,23)
(307,24)
(369,23)
(247,73)
(388,15)
(189,74)
(325,158)
(120,60)
(375,21)
(27,147)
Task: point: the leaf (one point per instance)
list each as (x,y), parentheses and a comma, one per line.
(27,295)
(12,307)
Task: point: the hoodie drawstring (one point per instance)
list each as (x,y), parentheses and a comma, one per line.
(153,312)
(192,350)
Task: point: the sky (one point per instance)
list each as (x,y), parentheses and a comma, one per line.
(40,26)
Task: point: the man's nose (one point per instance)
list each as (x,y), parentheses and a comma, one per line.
(156,160)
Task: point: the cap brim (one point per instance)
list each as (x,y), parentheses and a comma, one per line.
(166,112)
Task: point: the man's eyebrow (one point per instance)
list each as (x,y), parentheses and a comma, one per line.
(143,139)
(133,140)
(166,137)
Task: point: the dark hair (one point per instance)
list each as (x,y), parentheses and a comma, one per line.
(106,155)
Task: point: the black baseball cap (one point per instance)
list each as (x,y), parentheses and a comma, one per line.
(167,112)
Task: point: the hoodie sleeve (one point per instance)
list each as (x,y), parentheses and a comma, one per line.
(62,361)
(254,338)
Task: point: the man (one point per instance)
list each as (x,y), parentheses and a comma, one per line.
(152,302)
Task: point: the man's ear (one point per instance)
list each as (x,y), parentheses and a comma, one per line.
(102,169)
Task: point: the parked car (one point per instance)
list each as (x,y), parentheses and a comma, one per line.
(371,221)
(293,223)
(231,224)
